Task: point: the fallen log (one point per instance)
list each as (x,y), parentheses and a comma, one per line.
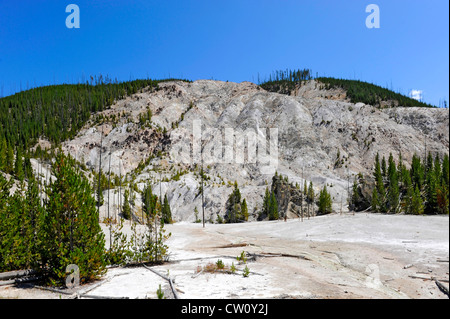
(408,266)
(18,281)
(233,245)
(428,278)
(178,289)
(197,274)
(16,274)
(442,287)
(155,272)
(175,295)
(264,254)
(101,297)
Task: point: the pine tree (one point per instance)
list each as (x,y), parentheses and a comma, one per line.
(3,152)
(244,210)
(429,165)
(234,206)
(35,214)
(311,194)
(379,185)
(13,233)
(72,234)
(445,171)
(27,169)
(409,193)
(9,167)
(375,201)
(166,213)
(273,207)
(384,167)
(417,207)
(443,190)
(22,229)
(305,189)
(417,172)
(266,201)
(149,200)
(393,192)
(431,204)
(5,186)
(325,203)
(437,169)
(126,208)
(442,199)
(18,165)
(355,195)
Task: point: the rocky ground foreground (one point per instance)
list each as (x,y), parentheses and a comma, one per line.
(334,256)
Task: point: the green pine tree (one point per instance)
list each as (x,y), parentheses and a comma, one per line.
(443,189)
(244,210)
(9,167)
(379,185)
(18,165)
(266,201)
(325,202)
(384,167)
(375,201)
(72,234)
(5,186)
(445,170)
(35,215)
(234,206)
(166,212)
(417,172)
(409,193)
(431,204)
(273,207)
(311,195)
(393,191)
(149,200)
(417,207)
(305,189)
(355,198)
(429,165)
(126,208)
(3,152)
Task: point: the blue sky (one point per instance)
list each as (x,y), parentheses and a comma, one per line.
(226,40)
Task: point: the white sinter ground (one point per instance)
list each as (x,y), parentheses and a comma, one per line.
(334,256)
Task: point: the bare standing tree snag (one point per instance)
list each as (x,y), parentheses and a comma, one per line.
(203,200)
(99,175)
(109,187)
(120,188)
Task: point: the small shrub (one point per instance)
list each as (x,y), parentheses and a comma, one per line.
(160,293)
(220,264)
(242,258)
(246,271)
(233,268)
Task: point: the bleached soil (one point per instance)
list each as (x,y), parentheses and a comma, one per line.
(334,256)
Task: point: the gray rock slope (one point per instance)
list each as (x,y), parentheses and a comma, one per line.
(245,134)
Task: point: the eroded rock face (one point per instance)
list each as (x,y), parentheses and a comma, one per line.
(309,128)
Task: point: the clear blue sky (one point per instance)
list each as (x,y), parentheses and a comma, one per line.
(226,40)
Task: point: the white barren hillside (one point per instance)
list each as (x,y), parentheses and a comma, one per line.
(299,136)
